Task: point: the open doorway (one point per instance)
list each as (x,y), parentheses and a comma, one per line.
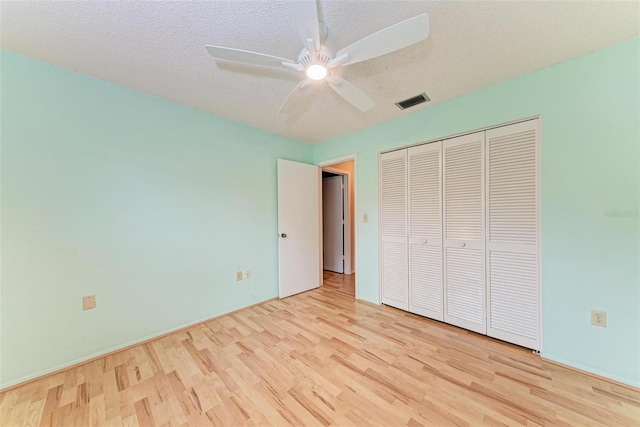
(338,226)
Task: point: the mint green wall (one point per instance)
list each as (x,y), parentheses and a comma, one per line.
(149,205)
(590,165)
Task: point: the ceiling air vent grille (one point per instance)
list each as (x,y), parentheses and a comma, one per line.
(411,102)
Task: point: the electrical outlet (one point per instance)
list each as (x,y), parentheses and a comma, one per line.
(599,318)
(89,302)
(238,276)
(247,274)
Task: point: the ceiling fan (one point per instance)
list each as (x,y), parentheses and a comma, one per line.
(317,61)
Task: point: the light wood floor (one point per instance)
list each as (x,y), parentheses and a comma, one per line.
(320,358)
(342,283)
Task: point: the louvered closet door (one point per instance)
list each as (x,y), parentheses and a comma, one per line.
(463,214)
(393,229)
(425,231)
(512,234)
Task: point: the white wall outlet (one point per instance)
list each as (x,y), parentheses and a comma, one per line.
(89,302)
(599,318)
(247,274)
(238,276)
(365,218)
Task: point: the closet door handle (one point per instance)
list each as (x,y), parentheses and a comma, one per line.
(462,244)
(424,241)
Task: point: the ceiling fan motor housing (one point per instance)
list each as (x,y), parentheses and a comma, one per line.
(322,57)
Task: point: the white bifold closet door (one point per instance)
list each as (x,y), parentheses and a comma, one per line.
(463,215)
(512,234)
(425,230)
(393,229)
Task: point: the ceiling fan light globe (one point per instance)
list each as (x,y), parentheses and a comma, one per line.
(316,72)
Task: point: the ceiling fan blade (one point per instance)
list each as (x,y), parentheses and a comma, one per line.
(305,13)
(355,96)
(387,40)
(289,104)
(246,56)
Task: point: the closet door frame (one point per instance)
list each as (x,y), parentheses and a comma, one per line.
(466,244)
(484,218)
(504,336)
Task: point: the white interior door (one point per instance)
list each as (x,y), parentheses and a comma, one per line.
(299,227)
(512,234)
(393,229)
(463,213)
(425,230)
(333,223)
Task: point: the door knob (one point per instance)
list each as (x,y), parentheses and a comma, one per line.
(283,235)
(463,244)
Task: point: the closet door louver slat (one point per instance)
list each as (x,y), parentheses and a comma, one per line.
(393,229)
(425,231)
(512,234)
(464,270)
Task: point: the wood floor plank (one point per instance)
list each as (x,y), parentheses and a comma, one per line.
(321,359)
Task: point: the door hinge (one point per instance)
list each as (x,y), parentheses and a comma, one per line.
(343,222)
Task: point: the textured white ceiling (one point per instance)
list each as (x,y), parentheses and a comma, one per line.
(157,47)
